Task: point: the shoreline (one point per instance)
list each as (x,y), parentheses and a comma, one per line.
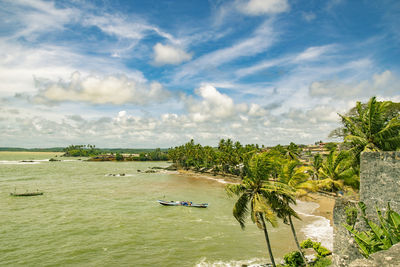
(325,202)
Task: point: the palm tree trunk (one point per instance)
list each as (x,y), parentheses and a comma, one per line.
(271,256)
(295,239)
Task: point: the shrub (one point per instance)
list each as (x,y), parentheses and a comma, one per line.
(293,259)
(321,251)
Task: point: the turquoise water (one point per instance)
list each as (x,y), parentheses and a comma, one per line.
(88,218)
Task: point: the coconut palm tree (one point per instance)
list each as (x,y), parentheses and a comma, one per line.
(374,127)
(297,177)
(260,197)
(316,165)
(336,170)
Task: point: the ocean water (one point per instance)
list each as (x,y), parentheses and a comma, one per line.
(88,217)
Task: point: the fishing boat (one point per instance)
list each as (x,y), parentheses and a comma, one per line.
(26,194)
(182,203)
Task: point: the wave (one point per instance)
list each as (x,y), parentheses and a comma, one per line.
(19,162)
(255,262)
(320,228)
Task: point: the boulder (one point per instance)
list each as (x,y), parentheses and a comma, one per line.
(384,258)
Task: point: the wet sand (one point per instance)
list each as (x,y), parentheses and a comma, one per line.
(326,204)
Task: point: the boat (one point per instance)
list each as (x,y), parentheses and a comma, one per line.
(27,194)
(182,203)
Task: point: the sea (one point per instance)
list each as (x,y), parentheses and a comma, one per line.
(107,214)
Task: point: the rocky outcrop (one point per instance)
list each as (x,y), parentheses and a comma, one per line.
(385,258)
(379,184)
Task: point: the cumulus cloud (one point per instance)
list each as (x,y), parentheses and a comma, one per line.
(213,105)
(260,7)
(166,54)
(99,90)
(381,84)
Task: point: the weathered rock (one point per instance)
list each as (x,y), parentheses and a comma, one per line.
(172,167)
(379,180)
(345,249)
(384,258)
(379,184)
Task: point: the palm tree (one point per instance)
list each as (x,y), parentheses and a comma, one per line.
(374,127)
(316,165)
(336,170)
(292,151)
(297,177)
(264,197)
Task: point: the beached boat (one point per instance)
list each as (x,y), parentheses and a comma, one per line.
(183,203)
(27,194)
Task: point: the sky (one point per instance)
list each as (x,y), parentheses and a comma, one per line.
(151,73)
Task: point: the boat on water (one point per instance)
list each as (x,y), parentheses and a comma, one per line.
(182,203)
(26,194)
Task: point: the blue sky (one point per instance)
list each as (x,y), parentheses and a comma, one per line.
(158,73)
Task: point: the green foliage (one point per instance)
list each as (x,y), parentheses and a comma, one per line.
(293,259)
(322,262)
(337,170)
(374,126)
(81,151)
(318,248)
(331,146)
(377,237)
(351,215)
(261,198)
(228,158)
(119,157)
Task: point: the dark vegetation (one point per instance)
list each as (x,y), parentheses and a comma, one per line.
(377,237)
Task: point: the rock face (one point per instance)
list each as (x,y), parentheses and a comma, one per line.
(385,258)
(380,180)
(379,184)
(345,249)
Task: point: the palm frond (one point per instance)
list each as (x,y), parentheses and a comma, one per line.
(240,210)
(260,206)
(234,189)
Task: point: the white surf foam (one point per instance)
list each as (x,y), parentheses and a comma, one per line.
(320,228)
(238,263)
(18,162)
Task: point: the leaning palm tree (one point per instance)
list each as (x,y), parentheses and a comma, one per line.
(260,197)
(297,177)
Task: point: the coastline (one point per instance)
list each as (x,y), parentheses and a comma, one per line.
(325,202)
(325,208)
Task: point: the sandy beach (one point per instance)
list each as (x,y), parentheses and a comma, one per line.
(326,205)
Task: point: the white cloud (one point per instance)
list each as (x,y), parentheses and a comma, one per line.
(313,53)
(213,106)
(261,39)
(99,90)
(308,16)
(166,54)
(257,111)
(134,28)
(382,84)
(33,17)
(260,7)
